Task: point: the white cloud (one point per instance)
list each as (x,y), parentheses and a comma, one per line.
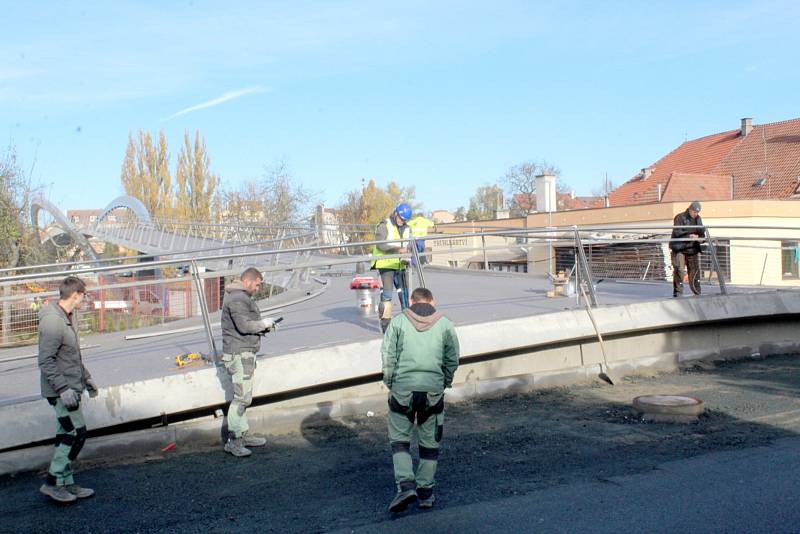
(226,97)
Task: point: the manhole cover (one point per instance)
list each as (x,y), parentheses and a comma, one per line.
(682,407)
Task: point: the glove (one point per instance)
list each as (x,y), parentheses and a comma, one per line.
(70,398)
(269,324)
(91,388)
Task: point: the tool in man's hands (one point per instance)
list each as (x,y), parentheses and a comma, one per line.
(270,324)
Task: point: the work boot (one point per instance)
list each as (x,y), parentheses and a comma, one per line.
(236,447)
(426,498)
(253,441)
(58,493)
(79,492)
(402,500)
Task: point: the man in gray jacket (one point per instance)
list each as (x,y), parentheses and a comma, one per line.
(242,327)
(63,379)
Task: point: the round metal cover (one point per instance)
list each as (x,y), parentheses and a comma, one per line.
(668,404)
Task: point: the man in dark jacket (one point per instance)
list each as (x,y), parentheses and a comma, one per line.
(63,379)
(242,326)
(686,253)
(420,356)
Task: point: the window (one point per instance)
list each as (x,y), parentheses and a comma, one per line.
(790,259)
(92,218)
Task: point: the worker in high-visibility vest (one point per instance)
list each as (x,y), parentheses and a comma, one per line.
(419,228)
(392,270)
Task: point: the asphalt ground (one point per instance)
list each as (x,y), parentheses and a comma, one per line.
(563,459)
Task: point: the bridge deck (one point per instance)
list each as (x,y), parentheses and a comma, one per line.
(328,319)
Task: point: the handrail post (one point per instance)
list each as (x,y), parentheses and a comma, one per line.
(715,262)
(415,253)
(587,272)
(201,297)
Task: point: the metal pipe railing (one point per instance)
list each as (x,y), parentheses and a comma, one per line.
(530,233)
(300,259)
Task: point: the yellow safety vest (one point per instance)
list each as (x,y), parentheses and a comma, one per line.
(391,234)
(419,226)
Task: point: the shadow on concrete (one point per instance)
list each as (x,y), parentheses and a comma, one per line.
(349,314)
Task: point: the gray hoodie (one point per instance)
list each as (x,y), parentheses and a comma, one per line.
(60,360)
(241,321)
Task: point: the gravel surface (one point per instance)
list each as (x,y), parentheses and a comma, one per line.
(336,474)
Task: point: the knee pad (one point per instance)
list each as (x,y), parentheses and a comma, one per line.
(427,453)
(77,445)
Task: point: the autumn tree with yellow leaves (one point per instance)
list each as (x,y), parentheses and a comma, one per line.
(196,196)
(193,195)
(372,204)
(145,173)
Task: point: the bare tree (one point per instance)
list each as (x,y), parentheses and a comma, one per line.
(19,242)
(520,180)
(273,199)
(285,201)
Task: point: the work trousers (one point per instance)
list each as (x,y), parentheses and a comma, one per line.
(70,437)
(241,368)
(425,412)
(391,279)
(681,262)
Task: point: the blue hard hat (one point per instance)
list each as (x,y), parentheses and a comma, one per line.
(403,210)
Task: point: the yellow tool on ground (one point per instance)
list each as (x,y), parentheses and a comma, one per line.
(34,287)
(182,360)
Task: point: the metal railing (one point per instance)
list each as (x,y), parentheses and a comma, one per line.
(120,299)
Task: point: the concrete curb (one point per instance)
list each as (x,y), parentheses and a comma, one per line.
(206,433)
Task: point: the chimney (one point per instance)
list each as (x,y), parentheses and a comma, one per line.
(647,172)
(747,126)
(546,193)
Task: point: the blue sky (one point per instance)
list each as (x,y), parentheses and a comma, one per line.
(441,95)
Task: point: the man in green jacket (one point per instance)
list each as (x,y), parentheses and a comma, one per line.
(420,356)
(63,380)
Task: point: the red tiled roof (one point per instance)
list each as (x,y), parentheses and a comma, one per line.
(689,187)
(582,203)
(764,164)
(564,201)
(698,156)
(770,151)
